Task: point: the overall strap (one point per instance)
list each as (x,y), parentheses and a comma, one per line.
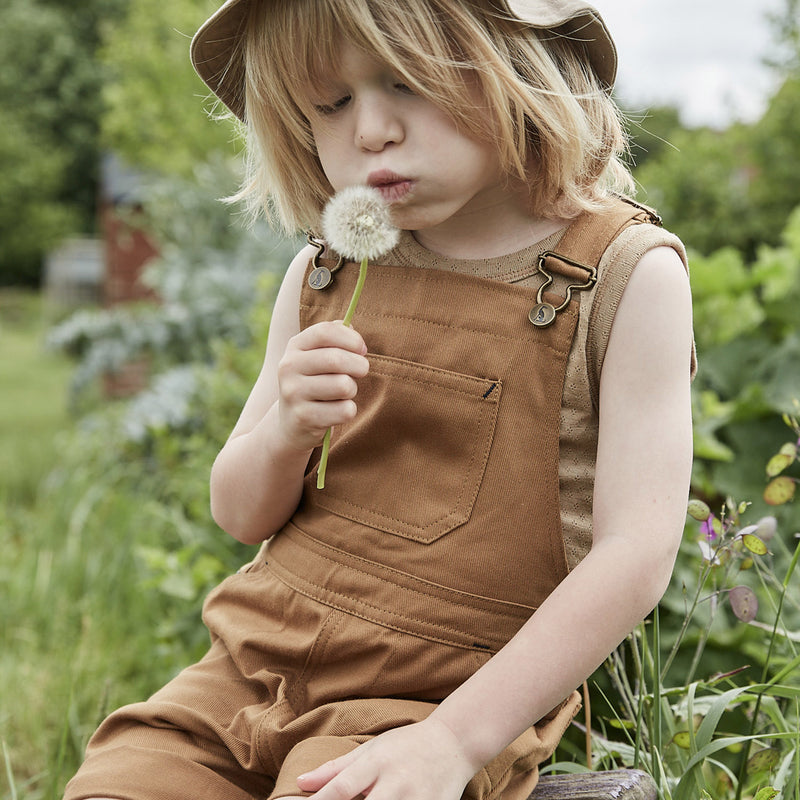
(583,246)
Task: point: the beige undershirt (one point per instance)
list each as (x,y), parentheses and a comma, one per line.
(579,421)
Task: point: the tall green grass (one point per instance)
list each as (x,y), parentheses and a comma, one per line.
(76,629)
(107,551)
(33,396)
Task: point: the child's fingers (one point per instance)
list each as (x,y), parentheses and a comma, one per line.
(331,334)
(320,777)
(331,361)
(325,349)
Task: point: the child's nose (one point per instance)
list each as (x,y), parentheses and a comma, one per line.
(377,124)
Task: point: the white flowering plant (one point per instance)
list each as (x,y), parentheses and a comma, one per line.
(356,224)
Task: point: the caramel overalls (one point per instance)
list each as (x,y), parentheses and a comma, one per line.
(437,535)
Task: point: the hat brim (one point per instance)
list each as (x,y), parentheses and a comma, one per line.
(216,55)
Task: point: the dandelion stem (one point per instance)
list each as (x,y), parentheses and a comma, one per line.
(323,462)
(362,277)
(348,318)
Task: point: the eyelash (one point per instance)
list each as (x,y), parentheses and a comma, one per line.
(332,108)
(338,105)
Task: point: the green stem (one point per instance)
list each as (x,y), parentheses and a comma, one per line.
(362,277)
(765,671)
(706,572)
(323,462)
(348,318)
(656,690)
(642,689)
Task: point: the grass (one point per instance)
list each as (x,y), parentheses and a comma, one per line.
(33,398)
(66,627)
(85,628)
(33,411)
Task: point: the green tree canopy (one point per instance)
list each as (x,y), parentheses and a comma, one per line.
(157,112)
(50,97)
(735,187)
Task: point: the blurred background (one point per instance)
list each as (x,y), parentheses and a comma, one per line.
(133,314)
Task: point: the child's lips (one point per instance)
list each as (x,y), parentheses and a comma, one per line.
(393,187)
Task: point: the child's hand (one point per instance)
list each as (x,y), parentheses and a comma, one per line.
(423,761)
(317,381)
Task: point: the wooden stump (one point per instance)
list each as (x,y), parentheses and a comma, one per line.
(619,784)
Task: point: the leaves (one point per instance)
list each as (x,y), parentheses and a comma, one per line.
(156,117)
(767,793)
(50,90)
(779,462)
(763,760)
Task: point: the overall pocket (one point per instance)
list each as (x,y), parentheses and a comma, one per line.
(412,461)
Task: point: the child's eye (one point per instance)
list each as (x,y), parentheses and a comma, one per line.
(332,108)
(404,88)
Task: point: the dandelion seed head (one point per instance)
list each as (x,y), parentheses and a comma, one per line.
(356,224)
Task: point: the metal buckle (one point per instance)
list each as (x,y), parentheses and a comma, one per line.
(543,313)
(320,276)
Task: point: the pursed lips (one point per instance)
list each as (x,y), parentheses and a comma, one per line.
(393,187)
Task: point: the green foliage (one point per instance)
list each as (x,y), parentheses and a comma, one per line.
(51,107)
(775,162)
(700,187)
(156,117)
(107,561)
(727,734)
(731,188)
(32,218)
(79,77)
(205,278)
(747,337)
(105,575)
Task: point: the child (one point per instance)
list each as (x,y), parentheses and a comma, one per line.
(509,470)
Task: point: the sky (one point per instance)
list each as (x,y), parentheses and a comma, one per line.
(705,56)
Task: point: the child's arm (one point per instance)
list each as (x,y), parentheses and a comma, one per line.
(642,478)
(307,384)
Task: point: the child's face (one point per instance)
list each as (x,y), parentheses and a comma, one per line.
(370,128)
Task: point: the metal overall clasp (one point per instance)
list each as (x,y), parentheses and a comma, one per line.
(321,276)
(544,313)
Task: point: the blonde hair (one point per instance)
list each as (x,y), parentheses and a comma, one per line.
(554,126)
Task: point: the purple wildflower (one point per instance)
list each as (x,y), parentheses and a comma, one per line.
(707,528)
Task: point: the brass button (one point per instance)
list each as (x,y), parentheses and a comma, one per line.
(319,278)
(542,315)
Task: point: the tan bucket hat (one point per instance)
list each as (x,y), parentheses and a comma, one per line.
(214,43)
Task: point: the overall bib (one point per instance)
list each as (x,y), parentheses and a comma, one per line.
(436,537)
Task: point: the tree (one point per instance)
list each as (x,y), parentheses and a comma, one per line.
(157,117)
(700,187)
(50,96)
(32,219)
(786,32)
(775,158)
